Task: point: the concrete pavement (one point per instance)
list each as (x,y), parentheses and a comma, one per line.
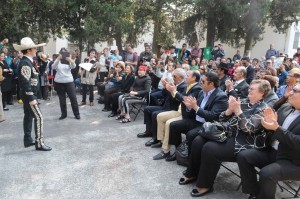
(95,157)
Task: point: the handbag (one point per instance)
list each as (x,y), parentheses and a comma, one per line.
(182,155)
(213,131)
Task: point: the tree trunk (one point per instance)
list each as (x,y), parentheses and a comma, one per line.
(248,45)
(80,46)
(157,28)
(118,37)
(211,29)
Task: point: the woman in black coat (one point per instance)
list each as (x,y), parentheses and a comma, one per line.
(242,122)
(6,84)
(126,84)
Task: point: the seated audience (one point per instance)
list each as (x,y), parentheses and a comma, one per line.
(279,162)
(290,80)
(244,130)
(238,88)
(126,83)
(140,90)
(165,118)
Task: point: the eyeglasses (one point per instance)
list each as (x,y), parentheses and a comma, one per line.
(174,76)
(295,90)
(251,89)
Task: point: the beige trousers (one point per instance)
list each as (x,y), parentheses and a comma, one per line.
(163,127)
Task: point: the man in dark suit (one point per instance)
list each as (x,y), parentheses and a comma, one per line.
(282,161)
(151,112)
(163,119)
(250,70)
(222,73)
(238,88)
(210,103)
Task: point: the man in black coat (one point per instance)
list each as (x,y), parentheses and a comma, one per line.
(282,161)
(28,81)
(151,112)
(238,88)
(210,103)
(163,119)
(250,70)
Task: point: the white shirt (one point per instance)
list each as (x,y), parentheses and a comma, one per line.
(287,122)
(203,103)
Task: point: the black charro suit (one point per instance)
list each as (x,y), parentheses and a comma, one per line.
(283,164)
(216,104)
(151,112)
(28,81)
(240,90)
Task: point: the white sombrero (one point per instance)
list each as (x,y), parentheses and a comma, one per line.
(27,43)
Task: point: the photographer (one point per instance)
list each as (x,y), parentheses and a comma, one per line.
(64,83)
(146,55)
(218,51)
(114,54)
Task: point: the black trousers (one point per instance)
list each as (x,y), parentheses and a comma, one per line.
(247,161)
(181,126)
(32,113)
(115,101)
(271,171)
(206,158)
(108,96)
(84,92)
(150,114)
(274,172)
(67,88)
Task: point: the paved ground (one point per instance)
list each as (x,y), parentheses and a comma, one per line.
(95,157)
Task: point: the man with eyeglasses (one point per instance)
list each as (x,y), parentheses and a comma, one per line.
(250,70)
(291,80)
(207,107)
(282,161)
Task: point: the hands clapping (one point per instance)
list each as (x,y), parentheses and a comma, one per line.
(269,121)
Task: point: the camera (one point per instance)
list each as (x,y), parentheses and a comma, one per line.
(64,55)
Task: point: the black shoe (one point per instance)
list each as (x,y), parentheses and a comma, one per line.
(184,181)
(77,117)
(161,155)
(195,192)
(252,196)
(105,109)
(42,147)
(26,145)
(184,172)
(6,109)
(171,158)
(112,114)
(156,145)
(150,142)
(62,117)
(144,135)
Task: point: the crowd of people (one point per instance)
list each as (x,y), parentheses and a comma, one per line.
(254,100)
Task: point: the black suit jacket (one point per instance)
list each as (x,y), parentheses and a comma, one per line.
(216,104)
(289,139)
(240,90)
(170,102)
(222,85)
(250,74)
(194,91)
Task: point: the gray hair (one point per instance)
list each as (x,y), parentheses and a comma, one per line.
(243,70)
(264,86)
(180,72)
